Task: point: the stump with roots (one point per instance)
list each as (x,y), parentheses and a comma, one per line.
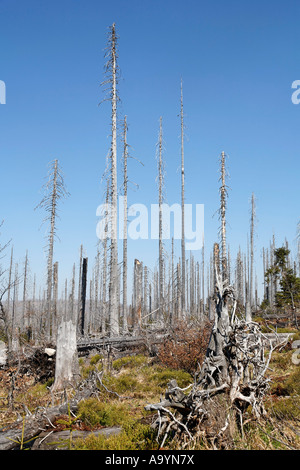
(231,381)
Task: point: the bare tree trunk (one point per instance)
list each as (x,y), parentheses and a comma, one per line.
(239,278)
(10,281)
(203,281)
(223,192)
(125,310)
(252,249)
(113,281)
(183,306)
(55,190)
(145,296)
(79,279)
(137,305)
(104,295)
(67,366)
(55,296)
(83,295)
(14,317)
(24,318)
(160,202)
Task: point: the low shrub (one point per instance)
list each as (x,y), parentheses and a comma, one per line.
(95,413)
(134,436)
(95,359)
(286,408)
(130,362)
(185,347)
(161,376)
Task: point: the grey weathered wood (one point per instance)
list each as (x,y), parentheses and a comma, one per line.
(183,306)
(32,426)
(60,440)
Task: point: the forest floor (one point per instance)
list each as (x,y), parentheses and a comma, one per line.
(131,382)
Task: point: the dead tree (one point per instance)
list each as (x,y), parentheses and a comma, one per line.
(137,296)
(125,184)
(182,208)
(222,211)
(54,191)
(160,222)
(252,220)
(55,295)
(25,282)
(110,83)
(239,277)
(83,295)
(203,276)
(113,299)
(104,273)
(79,279)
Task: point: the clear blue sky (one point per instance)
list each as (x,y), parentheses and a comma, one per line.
(237,60)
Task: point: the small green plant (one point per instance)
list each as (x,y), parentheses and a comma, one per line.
(161,376)
(95,413)
(130,362)
(68,423)
(95,359)
(22,442)
(134,436)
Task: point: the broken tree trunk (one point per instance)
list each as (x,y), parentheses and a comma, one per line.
(14,436)
(67,366)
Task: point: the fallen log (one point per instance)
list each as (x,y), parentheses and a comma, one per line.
(14,435)
(62,440)
(148,340)
(31,426)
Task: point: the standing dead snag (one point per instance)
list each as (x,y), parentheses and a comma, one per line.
(83,296)
(223,204)
(160,224)
(54,191)
(182,209)
(137,296)
(111,70)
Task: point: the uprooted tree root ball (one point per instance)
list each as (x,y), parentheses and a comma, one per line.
(231,383)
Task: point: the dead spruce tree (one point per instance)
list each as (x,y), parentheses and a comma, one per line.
(111,72)
(125,185)
(160,223)
(54,191)
(222,210)
(252,221)
(182,207)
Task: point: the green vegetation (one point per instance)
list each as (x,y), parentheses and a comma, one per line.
(289,293)
(132,382)
(134,436)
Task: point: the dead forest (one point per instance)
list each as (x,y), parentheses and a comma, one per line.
(202,320)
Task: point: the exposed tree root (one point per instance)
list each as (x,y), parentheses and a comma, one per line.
(231,382)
